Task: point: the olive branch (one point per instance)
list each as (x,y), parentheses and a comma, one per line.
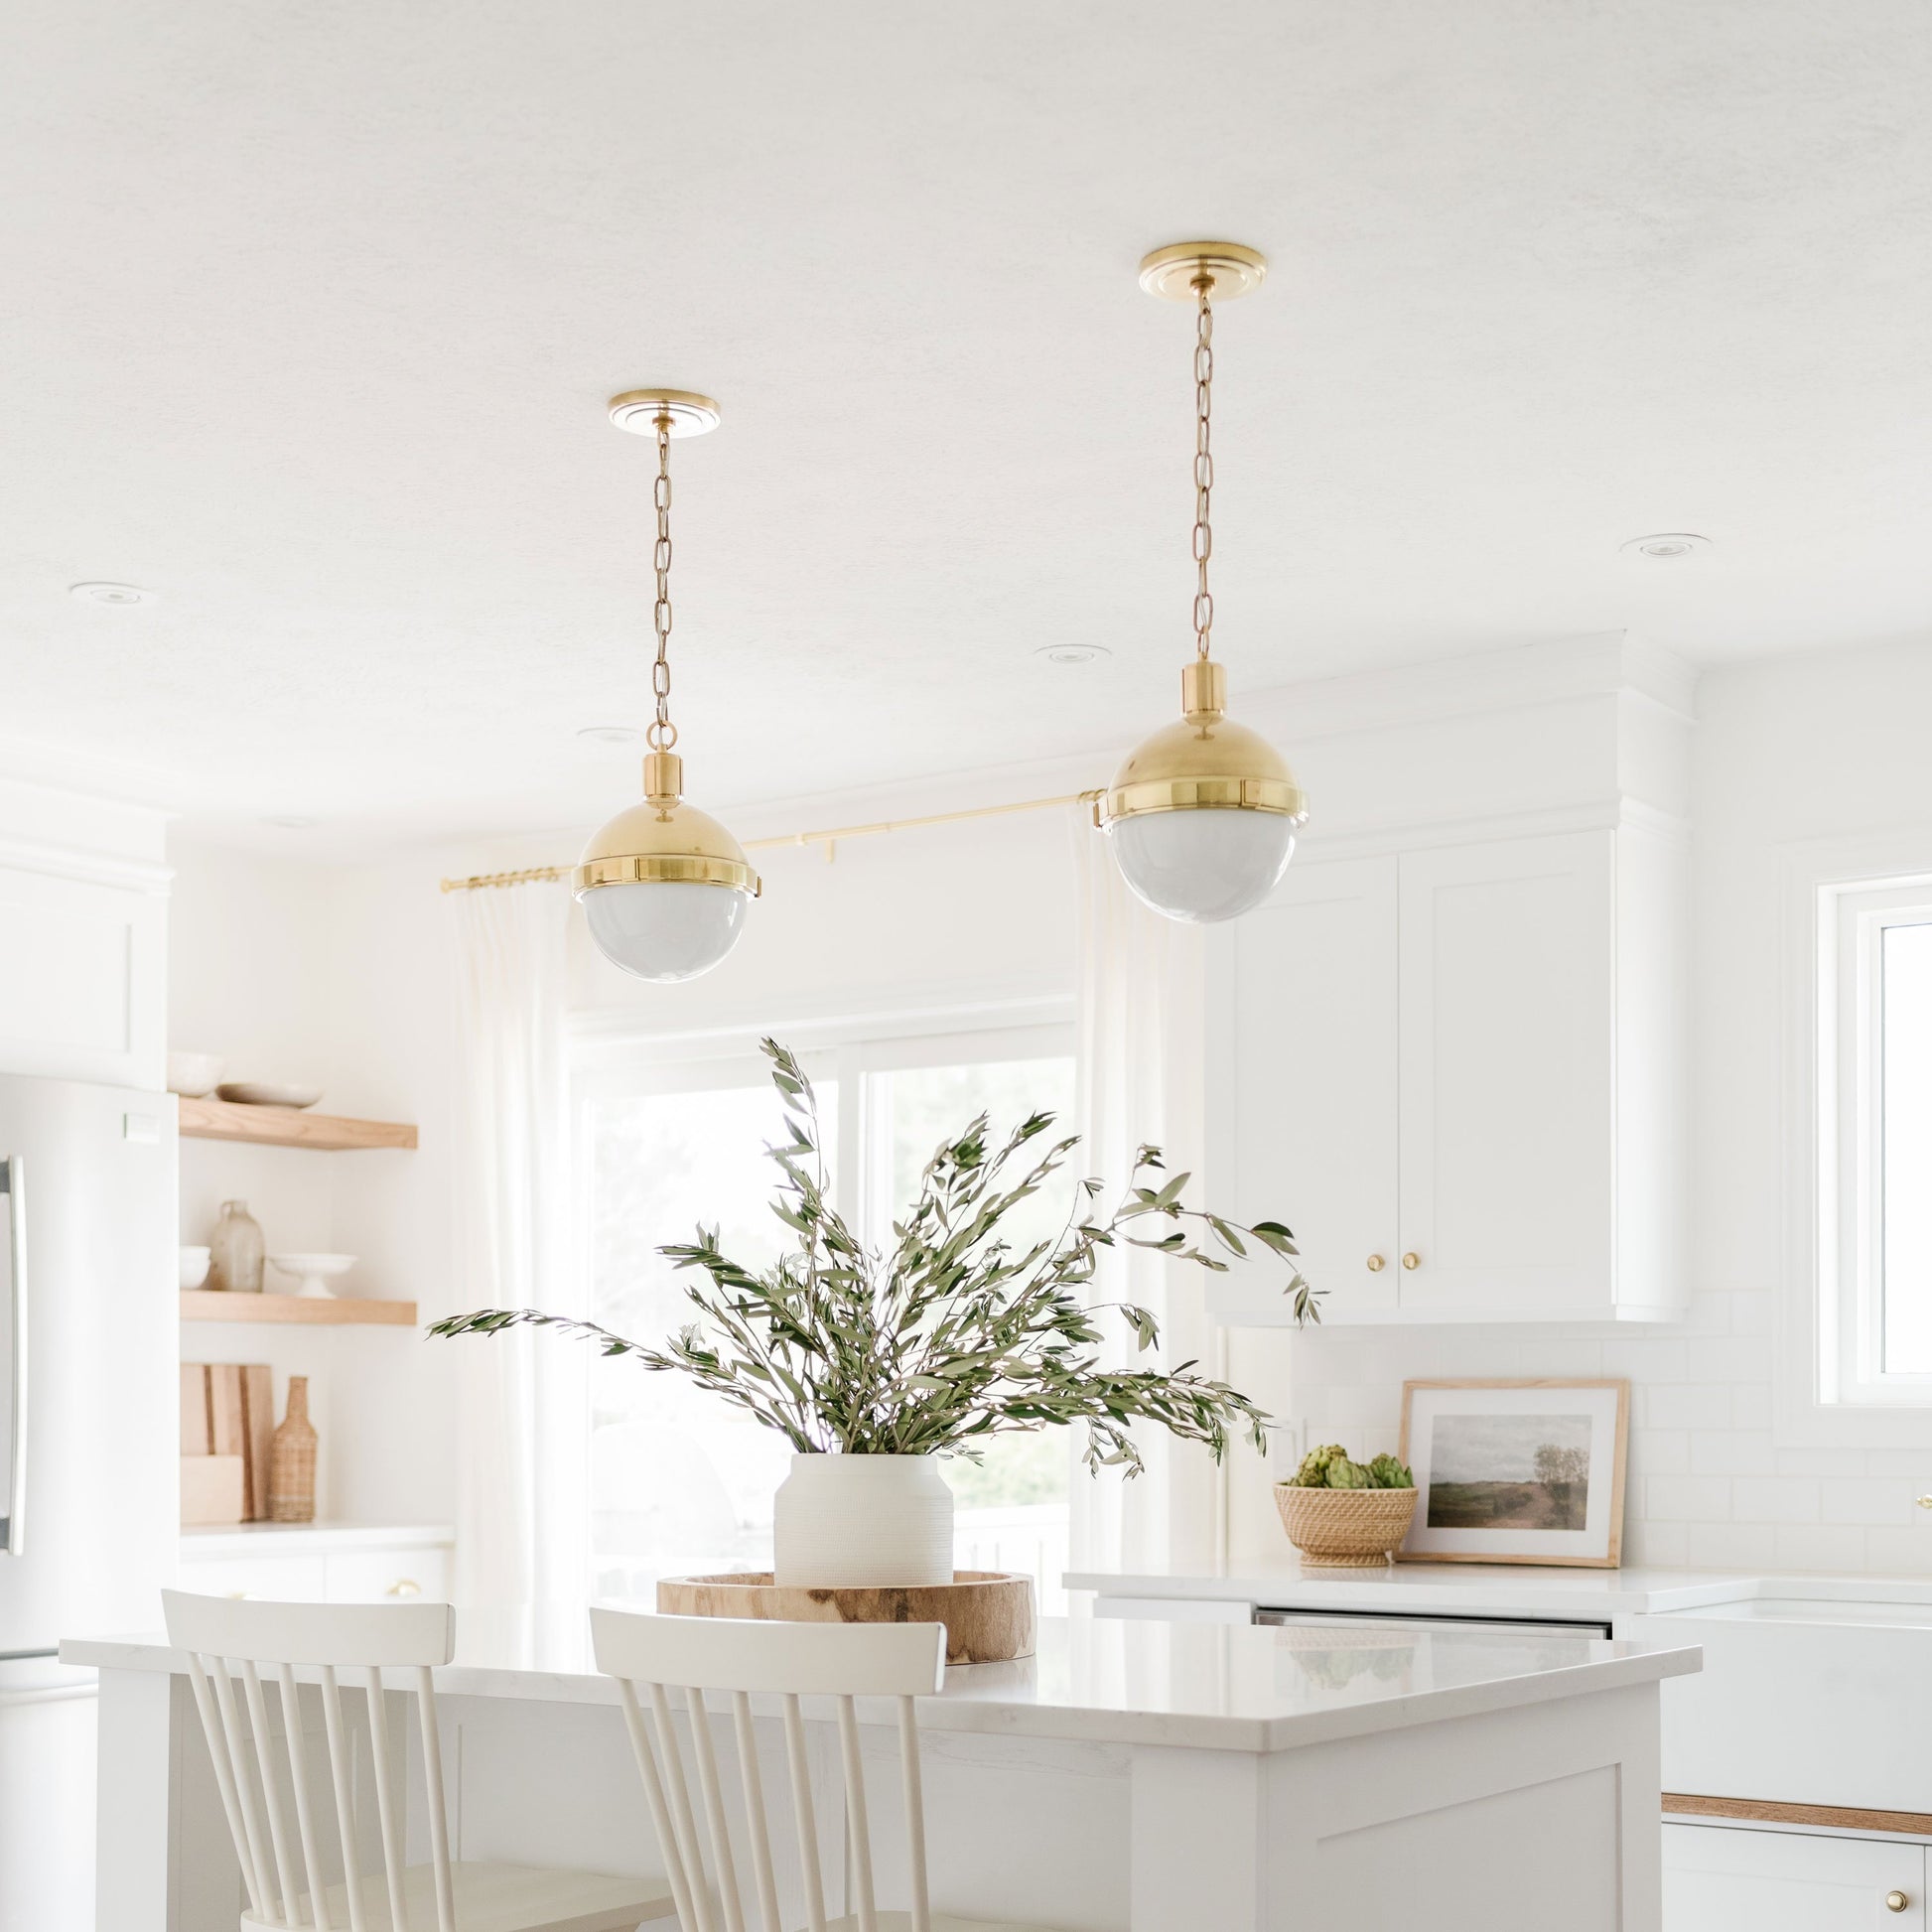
(953,1337)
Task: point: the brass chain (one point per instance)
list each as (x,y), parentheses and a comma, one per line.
(662,734)
(1203,465)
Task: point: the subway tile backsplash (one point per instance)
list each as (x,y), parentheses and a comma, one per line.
(1710,1486)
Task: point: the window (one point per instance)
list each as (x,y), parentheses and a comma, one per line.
(1874,1141)
(680,1481)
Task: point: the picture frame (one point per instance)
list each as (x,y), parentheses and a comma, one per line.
(1518,1469)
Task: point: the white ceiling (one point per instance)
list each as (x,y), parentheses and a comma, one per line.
(312,311)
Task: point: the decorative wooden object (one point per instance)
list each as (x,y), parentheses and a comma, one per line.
(1346,1529)
(988,1613)
(228,1120)
(226,1435)
(292,1460)
(257,1435)
(196,1437)
(202,1304)
(212,1490)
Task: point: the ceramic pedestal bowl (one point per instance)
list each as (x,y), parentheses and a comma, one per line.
(313,1271)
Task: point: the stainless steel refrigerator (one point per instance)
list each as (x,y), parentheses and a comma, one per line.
(90,1388)
(90,1435)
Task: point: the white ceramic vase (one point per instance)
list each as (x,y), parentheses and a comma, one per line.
(854,1521)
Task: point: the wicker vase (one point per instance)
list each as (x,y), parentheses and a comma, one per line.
(1350,1528)
(292,1460)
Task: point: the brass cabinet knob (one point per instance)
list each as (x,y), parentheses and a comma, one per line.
(1411,1260)
(1376,1264)
(1896,1901)
(405,1586)
(1925,1502)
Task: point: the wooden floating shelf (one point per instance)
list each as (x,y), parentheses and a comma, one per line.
(228,1120)
(217,1305)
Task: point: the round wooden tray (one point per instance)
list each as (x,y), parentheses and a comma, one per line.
(988,1613)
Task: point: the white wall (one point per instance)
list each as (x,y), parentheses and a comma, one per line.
(1786,750)
(339,976)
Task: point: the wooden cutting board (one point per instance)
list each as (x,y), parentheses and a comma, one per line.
(210,1490)
(257,1428)
(194,1424)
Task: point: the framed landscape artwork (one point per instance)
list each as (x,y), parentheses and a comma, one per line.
(1526,1472)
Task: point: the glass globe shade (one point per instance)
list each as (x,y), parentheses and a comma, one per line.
(1202,865)
(665,929)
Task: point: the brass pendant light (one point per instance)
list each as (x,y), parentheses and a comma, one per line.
(1202,815)
(663,885)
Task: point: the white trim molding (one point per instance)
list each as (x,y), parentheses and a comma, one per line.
(1826,1393)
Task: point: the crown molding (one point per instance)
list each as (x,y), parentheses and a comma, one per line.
(85,868)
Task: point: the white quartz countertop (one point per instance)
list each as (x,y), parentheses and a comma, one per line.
(1223,1687)
(207,1542)
(1496,1589)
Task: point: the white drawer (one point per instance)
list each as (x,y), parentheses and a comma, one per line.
(1720,1878)
(388,1576)
(283,1580)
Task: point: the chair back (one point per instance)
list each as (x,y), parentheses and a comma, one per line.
(655,1658)
(279,1864)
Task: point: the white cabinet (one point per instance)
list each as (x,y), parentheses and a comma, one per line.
(1720,1878)
(82,973)
(1454,1073)
(326,1564)
(1506,1101)
(1302,1046)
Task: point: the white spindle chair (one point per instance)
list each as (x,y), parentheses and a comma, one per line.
(283,1865)
(655,1658)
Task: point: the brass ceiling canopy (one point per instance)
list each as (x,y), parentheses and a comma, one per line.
(1176,273)
(684,411)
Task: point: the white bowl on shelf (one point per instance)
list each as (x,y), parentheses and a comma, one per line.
(267,1093)
(315,1272)
(194,1267)
(194,1075)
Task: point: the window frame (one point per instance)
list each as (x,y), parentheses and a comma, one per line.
(607,1058)
(1820,1398)
(1854,919)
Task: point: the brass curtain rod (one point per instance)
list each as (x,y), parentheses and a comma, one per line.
(531,875)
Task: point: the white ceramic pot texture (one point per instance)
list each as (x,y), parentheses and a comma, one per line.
(854,1521)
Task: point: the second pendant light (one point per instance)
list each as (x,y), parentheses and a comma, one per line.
(1202,815)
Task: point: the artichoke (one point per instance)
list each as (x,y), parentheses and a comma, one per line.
(1350,1476)
(1314,1472)
(1384,1472)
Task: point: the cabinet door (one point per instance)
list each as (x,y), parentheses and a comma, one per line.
(1719,1880)
(280,1579)
(388,1576)
(1302,1086)
(1506,1074)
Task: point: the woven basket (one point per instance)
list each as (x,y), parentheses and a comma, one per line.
(1353,1529)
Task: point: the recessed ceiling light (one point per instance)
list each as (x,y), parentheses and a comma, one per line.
(292,822)
(115,594)
(1072,653)
(1665,546)
(611,734)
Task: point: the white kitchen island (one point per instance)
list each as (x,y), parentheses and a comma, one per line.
(1135,1776)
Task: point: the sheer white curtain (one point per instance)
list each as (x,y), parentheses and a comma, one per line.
(1140,1081)
(521,1555)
